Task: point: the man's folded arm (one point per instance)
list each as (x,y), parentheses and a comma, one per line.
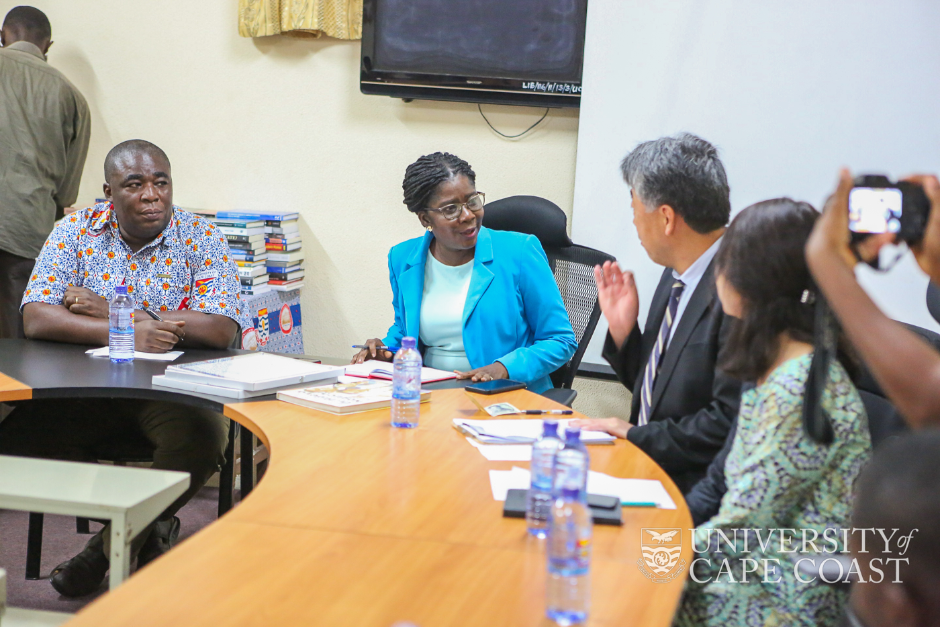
(42,321)
(204,330)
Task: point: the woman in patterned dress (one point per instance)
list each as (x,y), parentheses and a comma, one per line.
(745,570)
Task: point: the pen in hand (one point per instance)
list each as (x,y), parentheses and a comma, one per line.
(391,349)
(152,315)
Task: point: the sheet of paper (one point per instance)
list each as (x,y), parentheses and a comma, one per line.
(504,452)
(502,481)
(170,356)
(630,490)
(520,431)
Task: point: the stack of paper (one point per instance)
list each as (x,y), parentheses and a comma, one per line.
(245,376)
(632,492)
(519,431)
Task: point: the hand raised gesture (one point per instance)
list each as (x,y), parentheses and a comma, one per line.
(617,295)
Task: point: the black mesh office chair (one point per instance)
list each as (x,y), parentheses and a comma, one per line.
(572,265)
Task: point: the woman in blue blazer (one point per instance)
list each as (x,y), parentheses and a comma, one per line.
(482,303)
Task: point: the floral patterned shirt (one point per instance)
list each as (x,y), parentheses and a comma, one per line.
(188,266)
(778,478)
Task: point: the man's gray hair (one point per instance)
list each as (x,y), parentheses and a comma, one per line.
(684,172)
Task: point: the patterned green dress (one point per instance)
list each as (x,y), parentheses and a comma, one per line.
(778,478)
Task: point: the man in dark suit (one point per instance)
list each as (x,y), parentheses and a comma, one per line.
(683,405)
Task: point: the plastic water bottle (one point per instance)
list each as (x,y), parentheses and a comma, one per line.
(571,465)
(568,585)
(406,385)
(121,328)
(539,499)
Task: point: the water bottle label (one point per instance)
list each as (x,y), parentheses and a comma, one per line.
(125,318)
(542,481)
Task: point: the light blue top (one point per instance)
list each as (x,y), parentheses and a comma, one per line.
(513,312)
(442,310)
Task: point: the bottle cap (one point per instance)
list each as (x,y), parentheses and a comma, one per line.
(550,428)
(573,434)
(121,289)
(408,342)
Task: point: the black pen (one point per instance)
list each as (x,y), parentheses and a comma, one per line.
(153,315)
(554,412)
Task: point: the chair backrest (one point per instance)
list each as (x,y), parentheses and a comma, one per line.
(884,420)
(572,265)
(866,382)
(931,299)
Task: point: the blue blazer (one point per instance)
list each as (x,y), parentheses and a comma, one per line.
(513,313)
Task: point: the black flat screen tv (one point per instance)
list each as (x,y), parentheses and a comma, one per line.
(517,52)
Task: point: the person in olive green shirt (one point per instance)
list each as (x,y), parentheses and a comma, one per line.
(44,132)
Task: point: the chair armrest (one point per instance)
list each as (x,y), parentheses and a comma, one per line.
(562,396)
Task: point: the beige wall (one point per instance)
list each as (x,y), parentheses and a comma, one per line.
(279,124)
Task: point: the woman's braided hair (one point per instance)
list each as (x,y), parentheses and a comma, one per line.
(423,177)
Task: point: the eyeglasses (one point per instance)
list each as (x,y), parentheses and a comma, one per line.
(451,212)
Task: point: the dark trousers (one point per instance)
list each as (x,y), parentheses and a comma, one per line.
(14,275)
(176,437)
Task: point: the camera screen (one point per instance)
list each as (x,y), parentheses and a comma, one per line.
(875,210)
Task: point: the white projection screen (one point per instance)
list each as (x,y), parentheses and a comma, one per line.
(789,92)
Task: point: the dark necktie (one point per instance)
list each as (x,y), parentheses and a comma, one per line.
(656,355)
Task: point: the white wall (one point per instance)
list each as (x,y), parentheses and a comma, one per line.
(789,92)
(279,123)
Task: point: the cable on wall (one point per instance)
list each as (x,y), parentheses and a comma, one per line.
(511,136)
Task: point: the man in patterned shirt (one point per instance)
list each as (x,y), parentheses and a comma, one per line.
(172,262)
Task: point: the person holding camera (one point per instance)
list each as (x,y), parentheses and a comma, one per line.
(909,373)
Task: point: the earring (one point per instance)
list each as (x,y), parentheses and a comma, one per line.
(428,228)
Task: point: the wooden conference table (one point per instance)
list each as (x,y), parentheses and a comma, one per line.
(357,523)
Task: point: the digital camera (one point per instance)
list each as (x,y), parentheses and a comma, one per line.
(877,205)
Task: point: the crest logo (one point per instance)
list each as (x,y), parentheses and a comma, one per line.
(660,554)
(262,328)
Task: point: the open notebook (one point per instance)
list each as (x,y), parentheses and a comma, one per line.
(374,369)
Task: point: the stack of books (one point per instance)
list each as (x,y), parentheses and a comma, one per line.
(265,246)
(245,376)
(345,398)
(285,257)
(246,237)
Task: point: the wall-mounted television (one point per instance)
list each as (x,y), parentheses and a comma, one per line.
(517,52)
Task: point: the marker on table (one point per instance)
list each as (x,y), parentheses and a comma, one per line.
(553,412)
(638,504)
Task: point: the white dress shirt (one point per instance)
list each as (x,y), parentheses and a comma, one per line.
(691,279)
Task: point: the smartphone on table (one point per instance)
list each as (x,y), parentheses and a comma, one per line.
(495,386)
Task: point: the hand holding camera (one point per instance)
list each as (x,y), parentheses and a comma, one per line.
(865,214)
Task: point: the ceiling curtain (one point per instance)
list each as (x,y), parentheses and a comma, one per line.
(341,19)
